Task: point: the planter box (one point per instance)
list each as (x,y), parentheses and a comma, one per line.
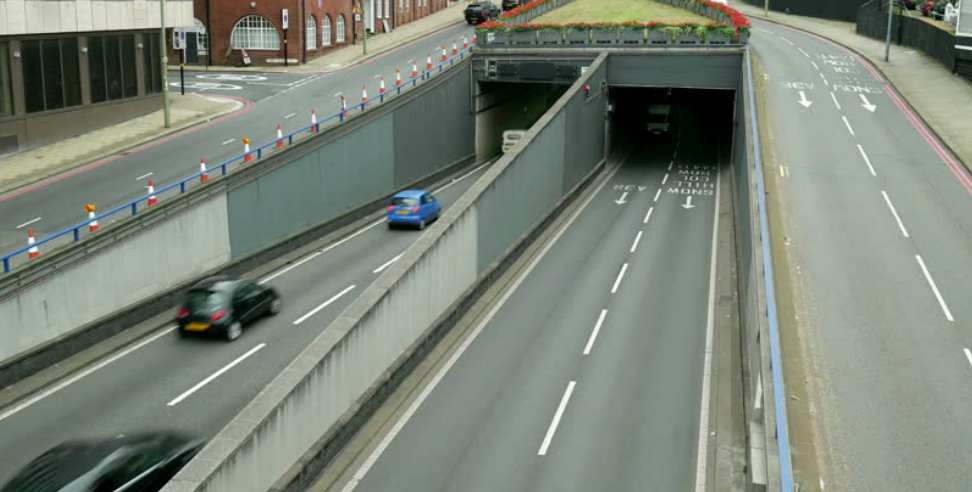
(716,37)
(632,36)
(688,38)
(523,37)
(604,36)
(575,36)
(551,36)
(658,37)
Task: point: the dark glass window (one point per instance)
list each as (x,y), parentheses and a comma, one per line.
(72,72)
(113,68)
(129,79)
(111,61)
(6,98)
(33,75)
(51,74)
(53,83)
(96,66)
(150,52)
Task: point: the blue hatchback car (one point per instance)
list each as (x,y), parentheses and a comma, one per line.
(413,208)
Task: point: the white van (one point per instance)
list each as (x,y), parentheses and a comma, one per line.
(511,138)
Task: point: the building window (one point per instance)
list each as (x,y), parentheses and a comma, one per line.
(202,37)
(340,28)
(377,9)
(310,34)
(111,61)
(255,33)
(387,7)
(326,30)
(51,74)
(6,99)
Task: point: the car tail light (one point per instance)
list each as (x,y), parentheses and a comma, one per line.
(218,315)
(389,208)
(183,312)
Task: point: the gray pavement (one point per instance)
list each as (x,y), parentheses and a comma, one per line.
(151,386)
(878,234)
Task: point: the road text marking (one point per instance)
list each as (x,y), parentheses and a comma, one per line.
(617,281)
(215,375)
(556,419)
(895,213)
(597,329)
(938,295)
(324,304)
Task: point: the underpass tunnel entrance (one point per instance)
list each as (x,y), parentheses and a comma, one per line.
(502,106)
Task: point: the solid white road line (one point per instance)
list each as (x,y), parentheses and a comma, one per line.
(144,176)
(866,160)
(815,65)
(29,222)
(804,52)
(637,239)
(791,43)
(832,96)
(7,413)
(847,123)
(895,213)
(597,329)
(387,263)
(968,355)
(617,281)
(701,463)
(324,304)
(665,179)
(227,142)
(658,194)
(175,401)
(648,215)
(556,419)
(931,282)
(410,411)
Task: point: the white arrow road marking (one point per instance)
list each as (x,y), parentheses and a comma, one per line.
(642,188)
(832,96)
(215,375)
(688,203)
(803,100)
(556,420)
(867,104)
(621,201)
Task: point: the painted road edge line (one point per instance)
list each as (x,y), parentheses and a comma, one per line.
(617,281)
(552,429)
(75,378)
(703,449)
(439,376)
(175,401)
(324,304)
(597,329)
(895,213)
(934,287)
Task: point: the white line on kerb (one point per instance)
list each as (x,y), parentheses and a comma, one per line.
(617,281)
(77,377)
(665,179)
(931,282)
(791,43)
(387,263)
(410,411)
(597,329)
(866,160)
(968,355)
(658,194)
(815,65)
(847,123)
(227,142)
(832,96)
(29,222)
(215,375)
(144,176)
(804,52)
(637,239)
(324,304)
(895,213)
(556,419)
(648,215)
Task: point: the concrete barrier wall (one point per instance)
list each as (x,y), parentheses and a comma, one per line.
(338,373)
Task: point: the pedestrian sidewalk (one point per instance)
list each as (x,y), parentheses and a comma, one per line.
(942,99)
(354,54)
(33,165)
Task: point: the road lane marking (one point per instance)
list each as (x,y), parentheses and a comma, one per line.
(407,415)
(968,355)
(701,462)
(597,329)
(847,123)
(934,287)
(665,179)
(657,194)
(617,281)
(760,29)
(832,96)
(825,80)
(637,239)
(556,419)
(77,377)
(791,43)
(464,176)
(895,213)
(289,116)
(804,52)
(866,160)
(324,304)
(648,215)
(670,164)
(815,66)
(387,263)
(227,142)
(215,375)
(144,176)
(29,222)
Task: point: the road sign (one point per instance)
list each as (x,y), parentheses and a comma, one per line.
(286,18)
(178,40)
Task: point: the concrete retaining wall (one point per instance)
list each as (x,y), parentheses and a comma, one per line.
(337,375)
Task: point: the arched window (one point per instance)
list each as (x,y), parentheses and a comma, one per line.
(326,30)
(255,33)
(340,28)
(310,33)
(202,38)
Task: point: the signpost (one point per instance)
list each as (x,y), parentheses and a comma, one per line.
(364,26)
(179,43)
(285,17)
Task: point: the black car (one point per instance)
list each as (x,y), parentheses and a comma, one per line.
(142,462)
(511,4)
(477,12)
(221,306)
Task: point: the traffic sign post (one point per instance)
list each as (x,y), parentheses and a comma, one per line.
(179,43)
(286,25)
(364,26)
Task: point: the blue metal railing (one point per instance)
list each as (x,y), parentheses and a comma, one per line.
(223,168)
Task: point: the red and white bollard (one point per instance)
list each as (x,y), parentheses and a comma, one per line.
(474,39)
(92,218)
(445,56)
(314,126)
(398,78)
(152,199)
(414,70)
(364,97)
(247,156)
(381,87)
(465,43)
(33,252)
(455,49)
(428,64)
(280,139)
(203,174)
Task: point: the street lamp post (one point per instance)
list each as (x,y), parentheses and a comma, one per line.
(887,41)
(766,8)
(165,73)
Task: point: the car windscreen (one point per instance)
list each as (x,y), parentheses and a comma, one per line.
(400,201)
(204,301)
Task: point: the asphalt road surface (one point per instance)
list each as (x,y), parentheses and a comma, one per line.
(879,231)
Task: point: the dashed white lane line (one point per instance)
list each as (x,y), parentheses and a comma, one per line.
(144,176)
(658,194)
(804,52)
(648,215)
(815,66)
(670,164)
(826,82)
(866,160)
(832,96)
(934,287)
(617,281)
(791,43)
(387,263)
(968,355)
(637,239)
(847,124)
(29,222)
(597,329)
(77,377)
(665,179)
(289,116)
(894,212)
(228,141)
(324,304)
(175,401)
(552,429)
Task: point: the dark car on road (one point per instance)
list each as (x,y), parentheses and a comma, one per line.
(477,12)
(221,306)
(141,462)
(511,4)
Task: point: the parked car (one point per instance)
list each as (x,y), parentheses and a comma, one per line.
(142,462)
(221,306)
(414,208)
(511,4)
(478,12)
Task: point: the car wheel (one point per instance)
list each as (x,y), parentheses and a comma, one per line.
(275,305)
(234,331)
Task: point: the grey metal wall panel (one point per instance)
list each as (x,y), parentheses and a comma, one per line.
(584,144)
(717,71)
(318,187)
(435,129)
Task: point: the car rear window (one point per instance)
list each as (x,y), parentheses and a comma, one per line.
(198,301)
(399,201)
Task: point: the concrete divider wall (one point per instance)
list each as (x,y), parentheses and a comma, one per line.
(322,390)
